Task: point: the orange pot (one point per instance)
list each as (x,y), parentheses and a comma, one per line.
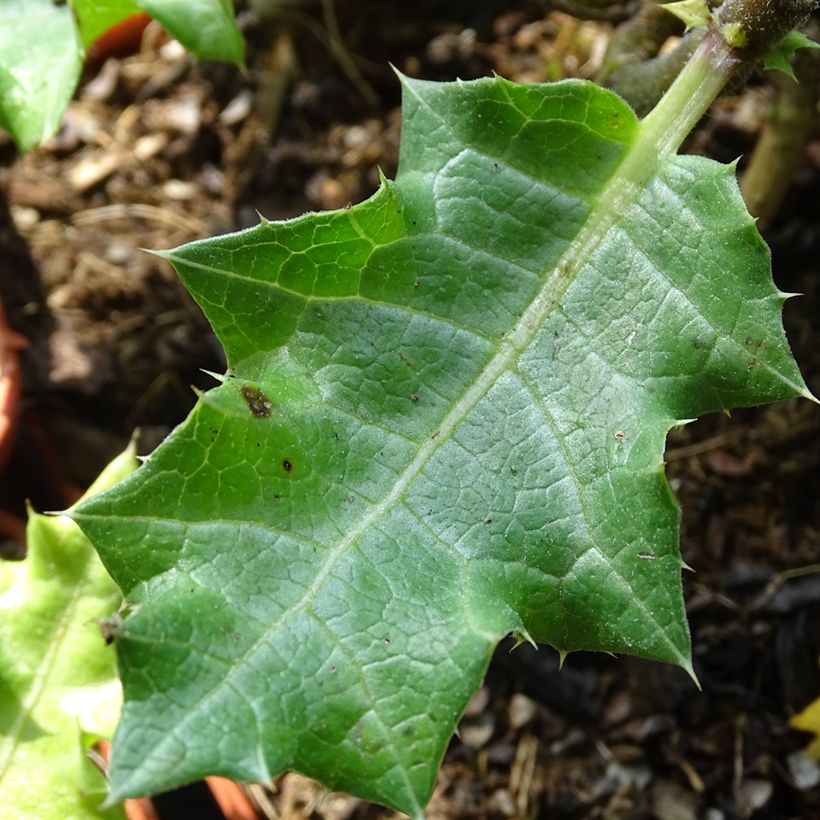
(11,344)
(120,40)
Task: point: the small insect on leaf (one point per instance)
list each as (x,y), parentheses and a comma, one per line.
(258,403)
(109,628)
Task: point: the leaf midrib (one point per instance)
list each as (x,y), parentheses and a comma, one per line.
(621,190)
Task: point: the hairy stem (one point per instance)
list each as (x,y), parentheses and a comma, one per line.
(754,26)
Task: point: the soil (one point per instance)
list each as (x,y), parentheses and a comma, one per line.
(157,150)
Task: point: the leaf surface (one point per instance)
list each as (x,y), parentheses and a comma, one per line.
(40,62)
(444,422)
(58,686)
(41,50)
(95,17)
(205,27)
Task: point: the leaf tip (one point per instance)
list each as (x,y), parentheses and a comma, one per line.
(807,394)
(690,670)
(522,636)
(162,254)
(221,378)
(402,77)
(562,656)
(112,799)
(692,13)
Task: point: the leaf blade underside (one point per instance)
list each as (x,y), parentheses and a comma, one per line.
(445,423)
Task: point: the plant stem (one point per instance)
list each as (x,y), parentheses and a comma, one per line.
(780,147)
(687,100)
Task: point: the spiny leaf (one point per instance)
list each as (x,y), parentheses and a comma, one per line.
(58,687)
(692,13)
(444,422)
(780,57)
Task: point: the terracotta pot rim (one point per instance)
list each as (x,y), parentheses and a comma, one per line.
(11,344)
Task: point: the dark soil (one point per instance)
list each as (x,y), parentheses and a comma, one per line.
(157,151)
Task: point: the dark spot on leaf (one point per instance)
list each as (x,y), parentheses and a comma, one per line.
(414,397)
(751,342)
(287,466)
(258,403)
(386,641)
(488,519)
(350,499)
(753,363)
(620,435)
(416,284)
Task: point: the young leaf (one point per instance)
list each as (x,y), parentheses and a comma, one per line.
(41,50)
(809,721)
(205,27)
(40,62)
(445,422)
(58,687)
(95,17)
(781,55)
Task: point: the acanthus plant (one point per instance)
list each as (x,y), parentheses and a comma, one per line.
(443,422)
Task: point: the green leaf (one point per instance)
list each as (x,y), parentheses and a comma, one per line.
(41,51)
(58,687)
(40,63)
(692,13)
(808,720)
(206,27)
(95,17)
(781,55)
(444,422)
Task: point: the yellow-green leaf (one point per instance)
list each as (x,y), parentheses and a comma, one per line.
(809,721)
(58,687)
